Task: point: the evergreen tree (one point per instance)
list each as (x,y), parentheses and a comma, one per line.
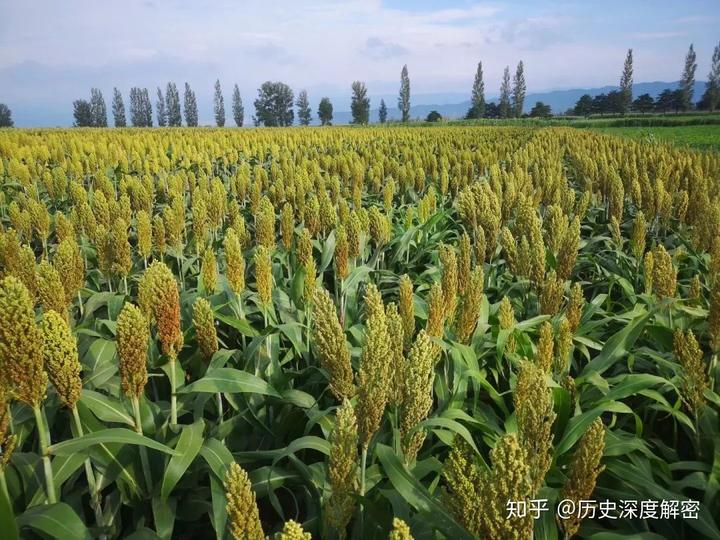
(518,92)
(404,97)
(5,116)
(303,105)
(626,82)
(162,116)
(325,112)
(99,110)
(504,106)
(713,84)
(172,105)
(82,112)
(477,98)
(191,111)
(146,108)
(383,112)
(237,107)
(540,110)
(687,82)
(136,114)
(274,105)
(118,109)
(360,103)
(584,105)
(644,103)
(219,105)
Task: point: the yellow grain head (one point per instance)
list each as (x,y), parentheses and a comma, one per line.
(436,311)
(265,224)
(462,479)
(639,234)
(132,345)
(575,307)
(64,228)
(561,362)
(144,234)
(552,294)
(354,231)
(448,260)
(341,253)
(292,530)
(159,299)
(544,350)
(287,225)
(407,309)
(568,250)
(21,359)
(159,235)
(470,306)
(120,249)
(649,271)
(695,379)
(25,270)
(583,473)
(263,275)
(342,471)
(419,373)
(664,273)
(510,249)
(61,358)
(8,441)
(695,288)
(242,510)
(400,530)
(208,271)
(204,323)
(374,374)
(304,248)
(534,412)
(50,291)
(234,261)
(464,263)
(397,358)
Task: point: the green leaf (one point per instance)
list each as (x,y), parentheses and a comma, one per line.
(579,424)
(417,496)
(111,435)
(187,447)
(56,520)
(616,347)
(164,515)
(7,519)
(231,381)
(218,457)
(105,408)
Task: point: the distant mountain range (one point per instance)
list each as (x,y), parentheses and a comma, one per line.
(448,104)
(559,100)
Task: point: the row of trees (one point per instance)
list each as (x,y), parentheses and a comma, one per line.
(511,101)
(275,101)
(621,101)
(93,112)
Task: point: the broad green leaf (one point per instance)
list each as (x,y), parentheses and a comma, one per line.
(231,381)
(7,519)
(105,408)
(188,446)
(111,435)
(55,520)
(218,457)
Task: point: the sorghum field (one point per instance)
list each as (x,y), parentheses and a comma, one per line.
(357,333)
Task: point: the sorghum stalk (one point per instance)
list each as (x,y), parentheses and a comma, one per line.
(143,451)
(44,435)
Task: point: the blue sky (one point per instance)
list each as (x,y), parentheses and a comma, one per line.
(52,52)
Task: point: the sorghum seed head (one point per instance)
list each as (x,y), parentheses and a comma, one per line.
(242,510)
(132,345)
(204,323)
(61,358)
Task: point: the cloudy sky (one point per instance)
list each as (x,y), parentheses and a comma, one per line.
(52,52)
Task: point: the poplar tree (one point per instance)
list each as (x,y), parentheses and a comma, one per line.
(687,82)
(162,117)
(219,105)
(98,108)
(477,99)
(519,88)
(118,109)
(191,111)
(237,107)
(383,112)
(626,81)
(404,97)
(504,106)
(303,105)
(713,84)
(325,112)
(172,105)
(146,108)
(360,103)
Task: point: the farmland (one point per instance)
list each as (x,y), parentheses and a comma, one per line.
(700,137)
(217,333)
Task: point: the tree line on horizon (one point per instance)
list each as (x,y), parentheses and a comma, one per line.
(274,105)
